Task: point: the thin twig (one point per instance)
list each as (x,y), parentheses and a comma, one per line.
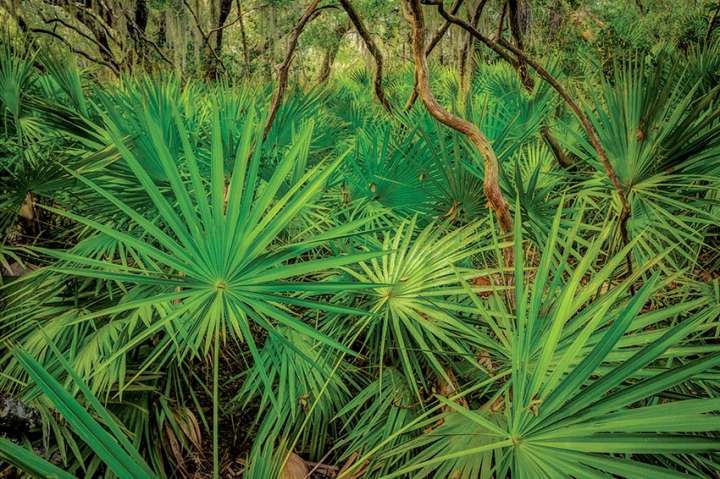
(311,11)
(76,50)
(75,29)
(142,36)
(465,52)
(205,36)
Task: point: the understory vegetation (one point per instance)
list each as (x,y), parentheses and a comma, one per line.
(210,273)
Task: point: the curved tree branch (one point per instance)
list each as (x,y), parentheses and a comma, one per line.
(584,121)
(310,12)
(83,54)
(80,12)
(102,48)
(430,47)
(373,49)
(491,183)
(99,24)
(143,37)
(222,26)
(545,75)
(88,19)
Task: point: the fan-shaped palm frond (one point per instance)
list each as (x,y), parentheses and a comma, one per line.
(393,172)
(661,142)
(537,183)
(309,382)
(414,319)
(372,417)
(216,267)
(582,387)
(16,79)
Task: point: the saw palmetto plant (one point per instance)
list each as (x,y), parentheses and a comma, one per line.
(659,130)
(469,240)
(574,383)
(414,309)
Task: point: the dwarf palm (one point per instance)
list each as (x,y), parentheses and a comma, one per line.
(581,386)
(415,320)
(309,382)
(211,247)
(391,169)
(660,140)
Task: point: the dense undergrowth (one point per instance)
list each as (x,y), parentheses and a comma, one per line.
(179,292)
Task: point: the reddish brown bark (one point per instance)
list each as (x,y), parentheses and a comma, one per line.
(491,182)
(587,126)
(584,121)
(430,47)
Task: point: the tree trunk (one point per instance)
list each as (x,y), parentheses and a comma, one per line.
(243,36)
(81,12)
(555,147)
(137,27)
(525,77)
(212,60)
(223,13)
(198,40)
(328,59)
(501,23)
(162,30)
(527,81)
(430,47)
